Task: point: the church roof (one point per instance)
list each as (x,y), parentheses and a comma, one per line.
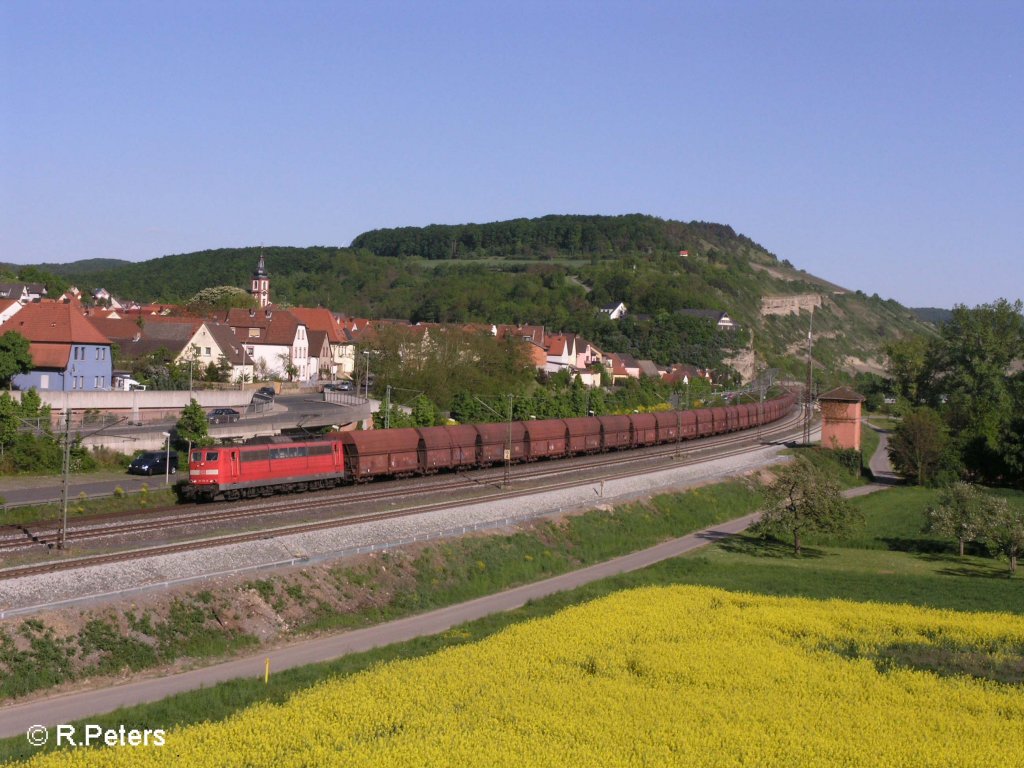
(261,269)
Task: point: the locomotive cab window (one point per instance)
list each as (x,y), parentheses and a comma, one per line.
(211,455)
(197,455)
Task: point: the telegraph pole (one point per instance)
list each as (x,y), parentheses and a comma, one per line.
(760,408)
(508,447)
(508,451)
(64,486)
(810,381)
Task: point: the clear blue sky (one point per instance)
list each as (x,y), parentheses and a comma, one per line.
(877,144)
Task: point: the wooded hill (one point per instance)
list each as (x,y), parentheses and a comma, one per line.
(556,271)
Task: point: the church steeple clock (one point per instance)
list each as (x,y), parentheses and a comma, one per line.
(261,284)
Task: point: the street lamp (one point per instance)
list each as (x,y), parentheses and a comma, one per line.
(167,459)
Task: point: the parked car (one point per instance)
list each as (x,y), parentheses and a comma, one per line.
(268,392)
(338,386)
(153,463)
(223,416)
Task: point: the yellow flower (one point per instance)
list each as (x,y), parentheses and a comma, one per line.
(660,676)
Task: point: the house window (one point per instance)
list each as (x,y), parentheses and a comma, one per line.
(254,333)
(95,382)
(207,352)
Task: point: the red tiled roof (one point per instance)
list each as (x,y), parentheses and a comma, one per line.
(618,369)
(55,322)
(50,355)
(281,328)
(320,319)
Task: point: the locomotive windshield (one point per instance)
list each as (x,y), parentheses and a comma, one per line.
(197,455)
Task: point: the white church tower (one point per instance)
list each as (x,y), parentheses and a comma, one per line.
(261,284)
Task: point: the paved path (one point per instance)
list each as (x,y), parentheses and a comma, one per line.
(879,464)
(15,719)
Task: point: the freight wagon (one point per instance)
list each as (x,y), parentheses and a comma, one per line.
(276,465)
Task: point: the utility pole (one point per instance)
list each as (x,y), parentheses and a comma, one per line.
(760,406)
(508,447)
(808,395)
(387,407)
(508,451)
(64,486)
(679,426)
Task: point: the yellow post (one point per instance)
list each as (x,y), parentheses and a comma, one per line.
(266,672)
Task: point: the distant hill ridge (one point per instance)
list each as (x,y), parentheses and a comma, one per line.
(554,270)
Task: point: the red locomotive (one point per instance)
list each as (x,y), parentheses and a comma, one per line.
(278,465)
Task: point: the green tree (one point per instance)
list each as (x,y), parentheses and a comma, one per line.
(424,414)
(804,499)
(969,380)
(1003,530)
(192,427)
(55,285)
(220,297)
(959,514)
(392,418)
(9,421)
(14,357)
(906,366)
(919,445)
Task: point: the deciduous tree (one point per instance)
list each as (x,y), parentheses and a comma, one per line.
(918,445)
(14,357)
(959,514)
(1003,530)
(969,380)
(192,428)
(804,499)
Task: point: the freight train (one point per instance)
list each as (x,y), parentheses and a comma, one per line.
(267,466)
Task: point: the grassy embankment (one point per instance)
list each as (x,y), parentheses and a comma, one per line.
(887,560)
(81,506)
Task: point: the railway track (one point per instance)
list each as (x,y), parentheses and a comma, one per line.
(32,536)
(734,444)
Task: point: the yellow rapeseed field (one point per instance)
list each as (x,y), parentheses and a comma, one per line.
(665,676)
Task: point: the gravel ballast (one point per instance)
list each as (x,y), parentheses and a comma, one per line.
(114,581)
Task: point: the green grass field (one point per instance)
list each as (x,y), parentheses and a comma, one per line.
(888,559)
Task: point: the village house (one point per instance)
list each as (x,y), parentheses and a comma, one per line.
(8,309)
(68,352)
(721,319)
(340,340)
(187,341)
(25,293)
(615,310)
(274,339)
